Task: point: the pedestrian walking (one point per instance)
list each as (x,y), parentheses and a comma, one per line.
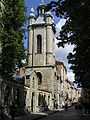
(86,104)
(66,106)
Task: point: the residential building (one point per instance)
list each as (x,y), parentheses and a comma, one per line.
(62,86)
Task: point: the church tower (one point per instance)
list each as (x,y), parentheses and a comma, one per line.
(41,38)
(41,42)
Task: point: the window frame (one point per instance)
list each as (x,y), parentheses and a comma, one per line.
(39,44)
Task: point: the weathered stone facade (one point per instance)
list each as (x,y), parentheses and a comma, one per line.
(31,87)
(41,43)
(62,86)
(66,90)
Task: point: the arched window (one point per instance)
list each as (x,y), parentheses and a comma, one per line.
(39,44)
(39,75)
(33,84)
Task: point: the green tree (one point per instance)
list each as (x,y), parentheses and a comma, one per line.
(75,31)
(13,30)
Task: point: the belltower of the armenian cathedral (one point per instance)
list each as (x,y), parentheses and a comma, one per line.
(41,38)
(41,42)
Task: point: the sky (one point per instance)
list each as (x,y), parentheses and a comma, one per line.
(60,53)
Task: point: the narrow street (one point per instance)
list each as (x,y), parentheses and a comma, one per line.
(71,114)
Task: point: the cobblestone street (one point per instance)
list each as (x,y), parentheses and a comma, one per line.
(71,114)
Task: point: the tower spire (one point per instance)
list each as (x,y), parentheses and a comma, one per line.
(42,1)
(32,12)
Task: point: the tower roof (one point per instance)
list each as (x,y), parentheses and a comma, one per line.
(49,14)
(40,20)
(41,8)
(32,12)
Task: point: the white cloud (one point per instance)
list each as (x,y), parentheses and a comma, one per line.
(61,53)
(70,76)
(59,25)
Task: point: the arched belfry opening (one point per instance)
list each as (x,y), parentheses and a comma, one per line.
(41,8)
(39,44)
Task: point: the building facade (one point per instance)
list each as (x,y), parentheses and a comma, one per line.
(62,85)
(41,59)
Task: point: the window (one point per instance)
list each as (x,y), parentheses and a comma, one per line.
(27,77)
(39,75)
(55,73)
(33,84)
(58,77)
(39,44)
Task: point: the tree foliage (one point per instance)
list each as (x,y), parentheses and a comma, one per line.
(12,21)
(75,31)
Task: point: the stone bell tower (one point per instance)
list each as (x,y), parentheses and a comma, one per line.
(41,42)
(41,38)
